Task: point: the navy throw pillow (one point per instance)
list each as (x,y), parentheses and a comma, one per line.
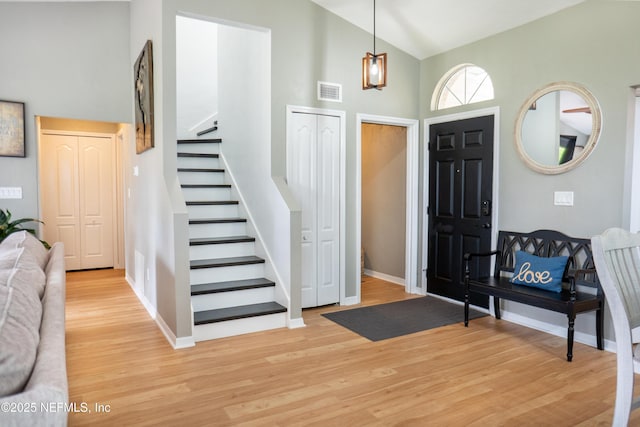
(539,272)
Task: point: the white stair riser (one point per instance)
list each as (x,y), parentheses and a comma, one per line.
(195,194)
(232,299)
(198,162)
(212,211)
(201,177)
(225,250)
(210,148)
(225,229)
(212,331)
(223,274)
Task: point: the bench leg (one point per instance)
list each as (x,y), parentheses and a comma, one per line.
(572,321)
(600,328)
(496,307)
(466,309)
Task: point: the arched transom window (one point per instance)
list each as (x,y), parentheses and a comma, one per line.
(464,84)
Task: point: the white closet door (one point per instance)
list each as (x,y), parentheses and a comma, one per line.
(78,198)
(60,195)
(95,157)
(328,210)
(313,174)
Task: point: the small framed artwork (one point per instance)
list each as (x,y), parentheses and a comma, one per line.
(143,93)
(12,129)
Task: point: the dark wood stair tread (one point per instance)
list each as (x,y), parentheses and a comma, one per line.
(240,312)
(221,240)
(199,155)
(215,170)
(212,202)
(225,262)
(205,185)
(233,285)
(216,220)
(200,141)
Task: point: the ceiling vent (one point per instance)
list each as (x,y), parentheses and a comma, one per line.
(329,92)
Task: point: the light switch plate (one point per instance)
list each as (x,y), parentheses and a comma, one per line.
(10,192)
(563,198)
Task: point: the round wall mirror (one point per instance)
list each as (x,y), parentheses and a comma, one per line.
(558,127)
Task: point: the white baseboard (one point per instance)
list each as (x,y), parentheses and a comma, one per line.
(350,301)
(553,329)
(385,277)
(176,343)
(550,328)
(296,323)
(143,299)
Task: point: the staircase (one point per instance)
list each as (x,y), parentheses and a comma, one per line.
(229,293)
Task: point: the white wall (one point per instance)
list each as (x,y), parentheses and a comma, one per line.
(245,117)
(197,75)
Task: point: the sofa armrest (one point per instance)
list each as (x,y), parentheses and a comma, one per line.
(45,399)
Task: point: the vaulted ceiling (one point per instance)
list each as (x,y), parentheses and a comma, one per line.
(424,28)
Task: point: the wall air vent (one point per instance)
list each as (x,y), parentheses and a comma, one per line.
(329,92)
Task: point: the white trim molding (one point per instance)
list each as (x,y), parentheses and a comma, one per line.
(412,284)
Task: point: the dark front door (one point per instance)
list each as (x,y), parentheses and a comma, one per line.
(460,203)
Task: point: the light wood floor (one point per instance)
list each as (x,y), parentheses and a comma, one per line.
(493,373)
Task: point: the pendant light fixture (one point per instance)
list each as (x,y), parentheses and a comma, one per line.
(374,66)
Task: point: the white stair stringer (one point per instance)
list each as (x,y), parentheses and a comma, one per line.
(230,294)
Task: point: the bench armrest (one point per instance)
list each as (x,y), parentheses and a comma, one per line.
(468,256)
(578,275)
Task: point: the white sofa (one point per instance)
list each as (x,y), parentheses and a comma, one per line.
(33,380)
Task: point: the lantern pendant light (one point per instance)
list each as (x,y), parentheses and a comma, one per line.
(374,66)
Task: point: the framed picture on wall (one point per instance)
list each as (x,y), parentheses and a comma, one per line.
(12,129)
(143,92)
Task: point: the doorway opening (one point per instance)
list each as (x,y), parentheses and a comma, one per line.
(81,189)
(411,205)
(384,171)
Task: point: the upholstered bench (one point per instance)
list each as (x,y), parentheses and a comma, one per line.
(524,273)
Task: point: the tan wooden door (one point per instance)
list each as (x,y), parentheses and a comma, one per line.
(77,185)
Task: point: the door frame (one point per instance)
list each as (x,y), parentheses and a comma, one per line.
(495,202)
(413,182)
(117,211)
(342,115)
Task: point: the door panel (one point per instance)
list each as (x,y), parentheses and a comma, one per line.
(96,210)
(313,160)
(328,209)
(60,192)
(460,193)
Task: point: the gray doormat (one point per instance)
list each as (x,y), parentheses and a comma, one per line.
(394,319)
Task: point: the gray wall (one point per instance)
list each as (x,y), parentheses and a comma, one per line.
(66,60)
(594,44)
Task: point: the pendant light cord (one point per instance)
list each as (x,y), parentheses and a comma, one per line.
(374,27)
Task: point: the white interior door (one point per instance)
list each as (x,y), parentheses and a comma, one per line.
(313,174)
(78,197)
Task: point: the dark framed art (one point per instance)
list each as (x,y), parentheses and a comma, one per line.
(12,129)
(143,92)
